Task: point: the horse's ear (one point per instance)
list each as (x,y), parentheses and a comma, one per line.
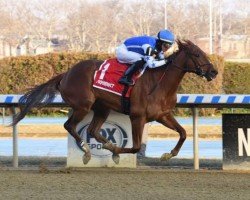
(181,44)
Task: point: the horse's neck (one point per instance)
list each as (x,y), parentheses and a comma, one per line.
(171,79)
(175,73)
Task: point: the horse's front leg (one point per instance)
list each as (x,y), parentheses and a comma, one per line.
(170,122)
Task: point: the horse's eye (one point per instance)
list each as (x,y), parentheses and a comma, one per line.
(197,55)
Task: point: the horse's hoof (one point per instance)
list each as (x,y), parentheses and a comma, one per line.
(166,156)
(86,158)
(116,158)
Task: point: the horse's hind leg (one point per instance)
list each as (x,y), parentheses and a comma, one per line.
(170,122)
(70,126)
(100,115)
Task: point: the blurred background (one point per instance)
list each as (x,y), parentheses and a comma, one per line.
(31,27)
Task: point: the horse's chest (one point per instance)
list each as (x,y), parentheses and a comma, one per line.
(155,111)
(162,107)
(167,103)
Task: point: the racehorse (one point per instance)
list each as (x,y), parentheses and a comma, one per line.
(152,98)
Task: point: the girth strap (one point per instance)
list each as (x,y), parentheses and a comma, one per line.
(125,101)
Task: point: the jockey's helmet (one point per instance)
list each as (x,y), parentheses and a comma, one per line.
(166,36)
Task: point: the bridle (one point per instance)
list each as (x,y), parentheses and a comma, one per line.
(198,68)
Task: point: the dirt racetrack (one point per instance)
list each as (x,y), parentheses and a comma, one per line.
(142,183)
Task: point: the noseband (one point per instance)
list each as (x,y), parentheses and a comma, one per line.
(198,68)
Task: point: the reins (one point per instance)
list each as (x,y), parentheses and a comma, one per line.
(158,82)
(163,74)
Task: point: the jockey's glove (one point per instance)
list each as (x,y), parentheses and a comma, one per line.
(168,61)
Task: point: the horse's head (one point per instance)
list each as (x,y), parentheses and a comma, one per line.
(197,61)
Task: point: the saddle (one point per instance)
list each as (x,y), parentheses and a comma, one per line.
(107,76)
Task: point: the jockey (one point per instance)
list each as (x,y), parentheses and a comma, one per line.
(143,49)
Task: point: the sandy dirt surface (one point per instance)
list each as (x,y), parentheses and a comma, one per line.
(159,131)
(155,131)
(143,183)
(35,131)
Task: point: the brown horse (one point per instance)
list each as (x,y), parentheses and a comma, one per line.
(152,99)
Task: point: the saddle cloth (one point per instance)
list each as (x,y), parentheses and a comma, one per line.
(107,76)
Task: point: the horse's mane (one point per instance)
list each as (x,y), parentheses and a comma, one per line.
(189,46)
(185,45)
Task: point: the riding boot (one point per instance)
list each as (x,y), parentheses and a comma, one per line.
(126,79)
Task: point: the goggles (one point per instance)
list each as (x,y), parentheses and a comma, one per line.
(166,45)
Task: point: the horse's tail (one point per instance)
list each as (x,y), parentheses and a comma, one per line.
(44,93)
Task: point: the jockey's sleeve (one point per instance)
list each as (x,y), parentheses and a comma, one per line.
(152,63)
(148,50)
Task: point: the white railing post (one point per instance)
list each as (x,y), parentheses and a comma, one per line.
(3,120)
(195,138)
(15,142)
